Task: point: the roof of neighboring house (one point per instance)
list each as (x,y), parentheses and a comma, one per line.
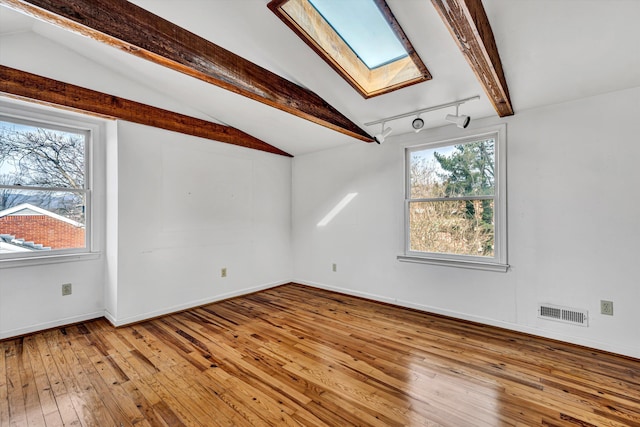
(29,209)
(9,244)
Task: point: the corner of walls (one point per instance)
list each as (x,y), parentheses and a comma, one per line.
(36,327)
(571,220)
(111,227)
(31,293)
(32,299)
(134,274)
(139,317)
(189,208)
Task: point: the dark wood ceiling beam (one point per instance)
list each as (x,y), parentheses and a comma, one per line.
(42,89)
(126,26)
(468,23)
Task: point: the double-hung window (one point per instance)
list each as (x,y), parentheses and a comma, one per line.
(455,207)
(45,184)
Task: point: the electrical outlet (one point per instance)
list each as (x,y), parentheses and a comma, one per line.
(334,267)
(66,289)
(223,272)
(606,307)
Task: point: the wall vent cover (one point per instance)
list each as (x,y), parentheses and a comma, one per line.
(564,314)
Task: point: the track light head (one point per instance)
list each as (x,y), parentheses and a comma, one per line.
(461,121)
(417,124)
(379,137)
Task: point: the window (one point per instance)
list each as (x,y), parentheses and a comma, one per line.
(45,184)
(455,208)
(360,39)
(370,37)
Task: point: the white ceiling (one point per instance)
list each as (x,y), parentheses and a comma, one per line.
(552,51)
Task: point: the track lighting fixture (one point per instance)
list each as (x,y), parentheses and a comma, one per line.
(417,124)
(384,132)
(460,120)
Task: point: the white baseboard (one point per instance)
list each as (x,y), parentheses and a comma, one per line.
(622,350)
(191,304)
(110,317)
(133,319)
(49,325)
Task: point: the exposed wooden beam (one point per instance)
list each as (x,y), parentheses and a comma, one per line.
(127,26)
(468,23)
(42,89)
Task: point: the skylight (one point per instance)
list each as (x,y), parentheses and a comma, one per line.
(369,35)
(360,39)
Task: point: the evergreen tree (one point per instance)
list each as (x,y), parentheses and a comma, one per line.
(469,171)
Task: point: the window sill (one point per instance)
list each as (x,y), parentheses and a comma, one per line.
(475,265)
(49,259)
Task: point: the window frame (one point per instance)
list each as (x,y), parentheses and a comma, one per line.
(499,261)
(330,46)
(21,112)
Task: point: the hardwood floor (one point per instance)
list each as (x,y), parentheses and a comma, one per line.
(295,355)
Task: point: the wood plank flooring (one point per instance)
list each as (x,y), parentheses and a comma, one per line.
(295,355)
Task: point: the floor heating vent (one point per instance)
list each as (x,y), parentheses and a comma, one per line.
(564,314)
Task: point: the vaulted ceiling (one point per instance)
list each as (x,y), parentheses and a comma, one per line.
(551,51)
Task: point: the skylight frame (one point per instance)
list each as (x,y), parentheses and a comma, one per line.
(304,20)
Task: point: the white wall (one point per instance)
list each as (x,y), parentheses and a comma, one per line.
(186,208)
(573,213)
(233,210)
(31,297)
(179,209)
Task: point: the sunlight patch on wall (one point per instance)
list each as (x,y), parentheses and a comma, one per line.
(337,209)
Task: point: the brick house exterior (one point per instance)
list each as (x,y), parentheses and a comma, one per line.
(40,226)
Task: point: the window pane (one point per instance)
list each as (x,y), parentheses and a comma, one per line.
(364,29)
(462,227)
(41,220)
(40,156)
(453,171)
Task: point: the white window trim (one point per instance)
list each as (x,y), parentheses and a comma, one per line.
(22,111)
(499,261)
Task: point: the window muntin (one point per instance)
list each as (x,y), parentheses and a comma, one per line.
(454,205)
(310,25)
(44,188)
